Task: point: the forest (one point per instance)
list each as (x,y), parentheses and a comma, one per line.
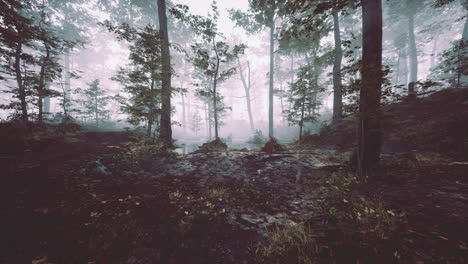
(245,131)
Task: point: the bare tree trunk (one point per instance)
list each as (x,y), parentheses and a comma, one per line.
(271,89)
(210,122)
(247,91)
(165,129)
(184,119)
(42,84)
(67,95)
(292,69)
(369,128)
(462,78)
(337,85)
(47,100)
(150,110)
(397,71)
(413,57)
(215,96)
(96,110)
(301,122)
(19,81)
(404,68)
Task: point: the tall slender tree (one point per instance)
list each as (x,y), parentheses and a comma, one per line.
(165,132)
(262,14)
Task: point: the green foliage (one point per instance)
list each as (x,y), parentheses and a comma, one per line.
(258,139)
(142,77)
(95,102)
(210,57)
(452,67)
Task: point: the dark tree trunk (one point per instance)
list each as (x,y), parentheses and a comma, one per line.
(165,129)
(19,81)
(246,85)
(67,95)
(215,96)
(150,110)
(413,57)
(271,90)
(337,85)
(301,122)
(210,120)
(42,84)
(184,119)
(462,78)
(369,128)
(96,110)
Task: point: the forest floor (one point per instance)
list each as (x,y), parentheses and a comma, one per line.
(107,197)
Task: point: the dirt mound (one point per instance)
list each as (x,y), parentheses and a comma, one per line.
(436,123)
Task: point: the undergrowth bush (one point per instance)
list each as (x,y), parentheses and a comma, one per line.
(348,225)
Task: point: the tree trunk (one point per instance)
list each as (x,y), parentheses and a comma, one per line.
(47,100)
(165,130)
(301,122)
(292,69)
(337,85)
(463,79)
(404,68)
(210,122)
(150,109)
(413,57)
(184,120)
(271,90)
(215,97)
(67,95)
(369,128)
(42,84)
(247,91)
(397,70)
(96,110)
(19,81)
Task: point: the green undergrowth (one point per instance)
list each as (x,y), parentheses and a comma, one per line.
(348,228)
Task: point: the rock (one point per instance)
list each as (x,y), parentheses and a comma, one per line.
(95,168)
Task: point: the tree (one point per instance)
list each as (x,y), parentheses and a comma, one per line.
(246,82)
(369,128)
(95,102)
(303,97)
(165,130)
(16,35)
(211,57)
(262,14)
(337,82)
(143,76)
(195,124)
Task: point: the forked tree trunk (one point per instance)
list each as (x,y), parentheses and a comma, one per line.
(246,85)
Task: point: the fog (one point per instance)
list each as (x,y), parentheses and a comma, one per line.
(100,55)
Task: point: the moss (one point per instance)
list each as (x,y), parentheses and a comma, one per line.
(213,146)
